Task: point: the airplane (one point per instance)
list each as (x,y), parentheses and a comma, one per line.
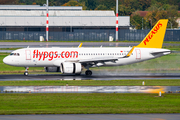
(74,60)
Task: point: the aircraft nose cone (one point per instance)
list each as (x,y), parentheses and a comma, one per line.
(6,60)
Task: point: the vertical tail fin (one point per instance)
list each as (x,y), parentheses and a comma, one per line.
(155,37)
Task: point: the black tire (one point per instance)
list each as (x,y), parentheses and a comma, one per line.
(88,72)
(26,73)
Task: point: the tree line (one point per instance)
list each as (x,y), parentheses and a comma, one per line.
(157,9)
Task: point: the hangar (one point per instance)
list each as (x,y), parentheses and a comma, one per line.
(32,18)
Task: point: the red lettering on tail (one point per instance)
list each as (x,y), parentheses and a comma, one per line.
(152,33)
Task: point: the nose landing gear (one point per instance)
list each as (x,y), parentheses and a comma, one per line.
(26,71)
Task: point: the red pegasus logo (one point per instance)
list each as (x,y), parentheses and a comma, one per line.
(152,33)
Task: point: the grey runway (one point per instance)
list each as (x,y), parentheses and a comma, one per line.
(90,89)
(70,44)
(93,117)
(136,76)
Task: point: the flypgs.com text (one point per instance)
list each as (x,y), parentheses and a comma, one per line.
(42,55)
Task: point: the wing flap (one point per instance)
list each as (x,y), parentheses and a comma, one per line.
(112,59)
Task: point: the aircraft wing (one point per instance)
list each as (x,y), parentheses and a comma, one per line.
(95,60)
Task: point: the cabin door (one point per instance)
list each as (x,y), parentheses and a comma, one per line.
(138,54)
(28,54)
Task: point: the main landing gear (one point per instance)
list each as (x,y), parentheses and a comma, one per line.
(26,71)
(88,72)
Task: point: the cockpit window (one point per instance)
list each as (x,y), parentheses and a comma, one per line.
(14,54)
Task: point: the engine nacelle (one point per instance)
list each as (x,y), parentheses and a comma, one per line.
(71,68)
(52,69)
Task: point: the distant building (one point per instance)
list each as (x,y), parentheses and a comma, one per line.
(28,22)
(61,18)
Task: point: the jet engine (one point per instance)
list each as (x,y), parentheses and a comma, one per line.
(71,68)
(52,69)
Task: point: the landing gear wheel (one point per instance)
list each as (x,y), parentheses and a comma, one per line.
(88,72)
(26,73)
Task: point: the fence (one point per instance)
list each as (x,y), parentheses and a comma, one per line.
(87,35)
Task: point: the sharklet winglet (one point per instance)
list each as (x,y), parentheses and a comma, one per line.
(80,45)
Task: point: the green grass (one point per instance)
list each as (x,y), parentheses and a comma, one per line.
(92,83)
(9,48)
(172,47)
(88,103)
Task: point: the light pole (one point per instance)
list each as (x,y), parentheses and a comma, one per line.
(171,24)
(116,20)
(47,21)
(142,23)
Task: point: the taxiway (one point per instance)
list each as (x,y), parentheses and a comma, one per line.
(137,76)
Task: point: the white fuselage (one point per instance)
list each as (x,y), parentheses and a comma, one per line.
(53,57)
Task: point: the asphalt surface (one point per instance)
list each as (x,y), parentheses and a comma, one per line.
(136,76)
(71,44)
(90,89)
(93,117)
